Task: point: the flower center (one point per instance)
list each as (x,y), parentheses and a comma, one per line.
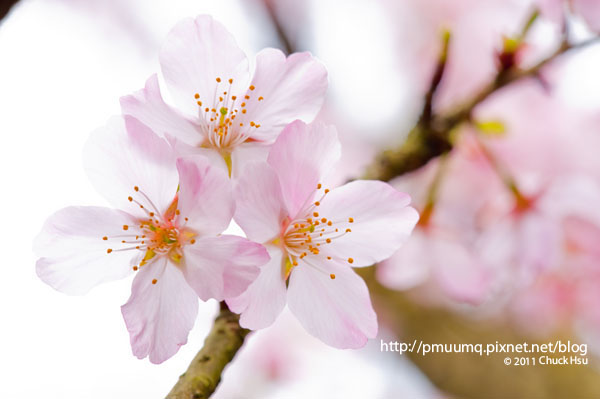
(221,130)
(158,234)
(305,236)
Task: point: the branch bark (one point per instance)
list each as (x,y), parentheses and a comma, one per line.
(204,372)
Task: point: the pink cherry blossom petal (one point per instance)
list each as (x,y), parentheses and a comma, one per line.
(459,273)
(408,267)
(196,53)
(381,221)
(288,88)
(264,300)
(260,209)
(119,158)
(205,196)
(148,107)
(337,310)
(160,312)
(302,155)
(244,154)
(73,254)
(222,267)
(184,150)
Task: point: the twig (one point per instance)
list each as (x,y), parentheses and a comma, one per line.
(286,43)
(204,373)
(436,80)
(426,143)
(5,6)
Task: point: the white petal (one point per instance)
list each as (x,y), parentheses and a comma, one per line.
(73,254)
(159,316)
(196,53)
(260,210)
(382,221)
(291,88)
(126,154)
(264,300)
(337,310)
(148,107)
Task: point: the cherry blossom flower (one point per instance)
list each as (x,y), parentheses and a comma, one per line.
(315,236)
(552,247)
(440,261)
(219,111)
(169,213)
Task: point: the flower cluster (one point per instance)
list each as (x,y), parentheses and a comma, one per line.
(229,146)
(514,223)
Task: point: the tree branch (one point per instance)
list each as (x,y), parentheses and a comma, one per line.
(283,36)
(5,6)
(438,74)
(425,142)
(204,373)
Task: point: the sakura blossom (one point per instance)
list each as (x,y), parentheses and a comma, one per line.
(165,227)
(440,261)
(220,109)
(315,235)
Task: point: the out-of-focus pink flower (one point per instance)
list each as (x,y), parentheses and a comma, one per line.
(168,215)
(219,111)
(440,259)
(472,58)
(589,10)
(435,258)
(315,236)
(555,246)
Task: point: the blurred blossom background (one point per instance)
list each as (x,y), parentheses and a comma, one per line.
(507,249)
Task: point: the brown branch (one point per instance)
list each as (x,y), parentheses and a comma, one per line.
(432,140)
(284,39)
(204,372)
(5,6)
(438,74)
